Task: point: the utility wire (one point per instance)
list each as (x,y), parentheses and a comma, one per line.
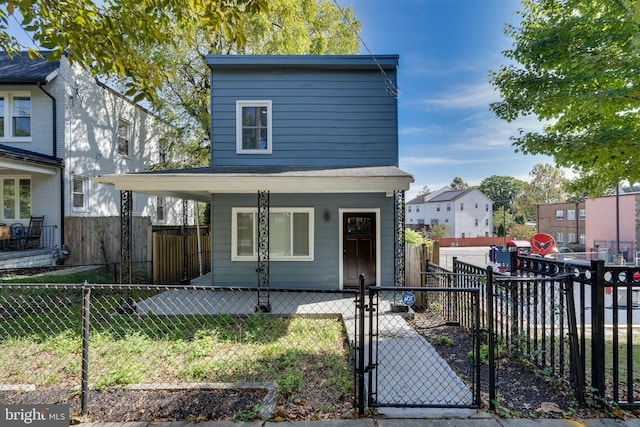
(391,88)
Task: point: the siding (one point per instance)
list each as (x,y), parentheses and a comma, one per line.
(322,273)
(320,117)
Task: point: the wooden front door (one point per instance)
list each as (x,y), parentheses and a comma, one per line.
(359,248)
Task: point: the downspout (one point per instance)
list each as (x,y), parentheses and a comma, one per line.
(54,117)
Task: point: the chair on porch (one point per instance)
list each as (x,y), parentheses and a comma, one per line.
(32,236)
(16,232)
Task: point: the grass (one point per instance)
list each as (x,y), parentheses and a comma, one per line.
(41,343)
(623,339)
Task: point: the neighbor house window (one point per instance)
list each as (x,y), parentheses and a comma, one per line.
(559,237)
(78,192)
(124,137)
(571,237)
(461,206)
(582,214)
(583,239)
(486,207)
(409,208)
(417,208)
(290,234)
(160,208)
(486,221)
(571,215)
(253,127)
(16,198)
(438,207)
(476,220)
(559,215)
(448,207)
(15,117)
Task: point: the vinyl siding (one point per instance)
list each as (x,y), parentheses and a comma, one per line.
(320,117)
(323,271)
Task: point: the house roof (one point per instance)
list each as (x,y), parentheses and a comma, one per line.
(200,183)
(448,196)
(334,62)
(11,157)
(21,69)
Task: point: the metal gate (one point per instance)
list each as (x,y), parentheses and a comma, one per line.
(405,347)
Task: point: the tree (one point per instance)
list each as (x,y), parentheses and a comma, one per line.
(438,231)
(573,64)
(458,184)
(289,27)
(501,189)
(426,190)
(112,37)
(547,185)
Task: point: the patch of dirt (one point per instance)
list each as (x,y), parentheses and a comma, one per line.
(522,390)
(150,405)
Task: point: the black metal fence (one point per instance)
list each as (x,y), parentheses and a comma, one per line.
(575,320)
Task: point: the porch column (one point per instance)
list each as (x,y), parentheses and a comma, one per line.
(126,198)
(399,244)
(264,304)
(185,242)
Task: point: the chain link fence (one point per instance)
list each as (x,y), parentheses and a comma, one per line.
(67,342)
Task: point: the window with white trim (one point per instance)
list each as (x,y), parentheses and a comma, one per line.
(559,215)
(571,215)
(253,127)
(124,137)
(15,117)
(78,191)
(582,214)
(559,237)
(16,198)
(571,238)
(290,234)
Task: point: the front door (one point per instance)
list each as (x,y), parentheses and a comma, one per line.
(359,248)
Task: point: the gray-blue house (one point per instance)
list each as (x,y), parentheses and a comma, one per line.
(304,181)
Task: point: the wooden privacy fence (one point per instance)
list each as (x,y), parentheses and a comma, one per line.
(168,257)
(96,240)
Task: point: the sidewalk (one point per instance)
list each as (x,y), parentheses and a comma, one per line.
(475,421)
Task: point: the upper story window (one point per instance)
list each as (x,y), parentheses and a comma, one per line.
(476,222)
(438,207)
(16,198)
(583,214)
(124,137)
(559,237)
(571,216)
(559,215)
(409,209)
(448,207)
(15,117)
(461,206)
(417,208)
(78,190)
(486,207)
(253,127)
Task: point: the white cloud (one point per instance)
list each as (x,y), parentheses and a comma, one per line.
(463,97)
(418,130)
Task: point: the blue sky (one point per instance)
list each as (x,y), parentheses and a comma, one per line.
(447,48)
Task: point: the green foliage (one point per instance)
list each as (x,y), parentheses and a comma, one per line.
(501,189)
(573,64)
(438,230)
(445,340)
(113,38)
(414,238)
(483,356)
(458,184)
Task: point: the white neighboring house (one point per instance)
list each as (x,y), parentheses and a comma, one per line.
(59,126)
(466,213)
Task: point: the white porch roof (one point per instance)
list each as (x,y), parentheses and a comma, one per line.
(199,184)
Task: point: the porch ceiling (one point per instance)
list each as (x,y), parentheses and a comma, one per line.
(199,184)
